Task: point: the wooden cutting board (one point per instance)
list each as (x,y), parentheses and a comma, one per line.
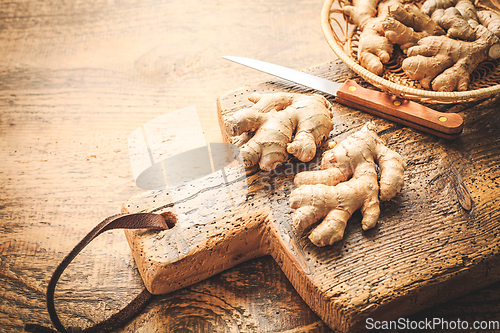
(425,250)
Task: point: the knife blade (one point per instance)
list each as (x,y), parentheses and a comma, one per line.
(390,107)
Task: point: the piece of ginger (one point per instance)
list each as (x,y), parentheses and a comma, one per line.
(374,48)
(405,26)
(455,24)
(490,20)
(279,124)
(457,17)
(430,6)
(411,16)
(443,63)
(347,181)
(446,64)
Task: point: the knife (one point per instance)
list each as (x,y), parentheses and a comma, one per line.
(405,112)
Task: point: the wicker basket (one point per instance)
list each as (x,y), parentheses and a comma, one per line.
(342,38)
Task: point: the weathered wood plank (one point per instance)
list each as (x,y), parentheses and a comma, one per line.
(76,78)
(426,243)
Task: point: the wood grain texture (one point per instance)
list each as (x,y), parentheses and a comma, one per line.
(430,244)
(398,110)
(427,247)
(76,78)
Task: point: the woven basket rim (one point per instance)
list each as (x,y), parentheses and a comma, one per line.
(398,89)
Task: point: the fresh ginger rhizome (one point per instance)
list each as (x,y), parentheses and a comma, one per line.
(283,123)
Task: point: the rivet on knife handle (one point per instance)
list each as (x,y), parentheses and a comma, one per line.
(445,125)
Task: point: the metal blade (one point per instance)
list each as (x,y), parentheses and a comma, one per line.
(289,74)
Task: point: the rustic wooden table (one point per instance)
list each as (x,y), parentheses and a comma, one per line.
(76,79)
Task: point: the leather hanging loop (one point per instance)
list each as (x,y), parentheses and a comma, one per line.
(119,221)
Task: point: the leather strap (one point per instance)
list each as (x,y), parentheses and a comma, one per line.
(119,221)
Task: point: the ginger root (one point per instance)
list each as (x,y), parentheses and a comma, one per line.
(446,64)
(347,181)
(374,48)
(405,26)
(411,16)
(457,17)
(274,120)
(443,63)
(456,25)
(490,20)
(430,6)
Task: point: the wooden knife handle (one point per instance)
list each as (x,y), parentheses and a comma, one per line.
(412,114)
